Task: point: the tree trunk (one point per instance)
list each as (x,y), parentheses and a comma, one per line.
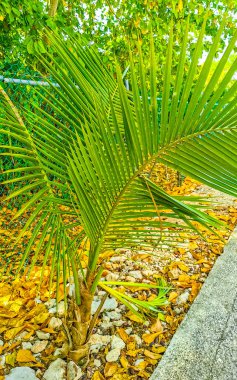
(79,318)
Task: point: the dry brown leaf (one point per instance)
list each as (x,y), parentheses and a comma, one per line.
(151,355)
(156,326)
(110,369)
(149,338)
(24,356)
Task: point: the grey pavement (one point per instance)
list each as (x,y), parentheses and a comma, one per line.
(205,345)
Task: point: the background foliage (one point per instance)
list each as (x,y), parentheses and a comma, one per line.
(110,24)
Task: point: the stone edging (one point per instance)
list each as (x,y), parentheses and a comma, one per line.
(205,345)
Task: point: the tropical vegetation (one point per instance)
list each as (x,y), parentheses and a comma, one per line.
(85,163)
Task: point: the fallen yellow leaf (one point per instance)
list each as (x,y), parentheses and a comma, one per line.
(172,296)
(133,317)
(183,267)
(124,362)
(98,376)
(24,356)
(123,335)
(10,359)
(11,333)
(41,318)
(158,350)
(149,338)
(110,369)
(151,355)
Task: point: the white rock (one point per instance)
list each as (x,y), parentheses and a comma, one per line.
(97,363)
(113,355)
(50,303)
(42,335)
(136,274)
(101,339)
(22,373)
(52,310)
(26,345)
(106,319)
(71,291)
(1,342)
(55,323)
(137,339)
(118,259)
(178,310)
(112,277)
(38,300)
(97,341)
(130,279)
(118,323)
(57,352)
(117,342)
(113,315)
(39,346)
(183,298)
(73,371)
(110,304)
(94,306)
(2,360)
(56,370)
(101,293)
(106,325)
(147,273)
(61,308)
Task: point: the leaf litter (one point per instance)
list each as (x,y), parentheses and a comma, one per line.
(27,313)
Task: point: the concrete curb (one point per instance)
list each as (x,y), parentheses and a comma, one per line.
(205,345)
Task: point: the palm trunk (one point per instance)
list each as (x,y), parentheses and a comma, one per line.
(79,318)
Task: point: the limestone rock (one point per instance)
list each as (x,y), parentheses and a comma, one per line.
(113,355)
(117,343)
(39,346)
(56,370)
(22,373)
(55,323)
(42,335)
(73,371)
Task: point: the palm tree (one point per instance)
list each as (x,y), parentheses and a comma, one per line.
(95,147)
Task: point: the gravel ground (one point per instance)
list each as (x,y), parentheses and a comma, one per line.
(122,347)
